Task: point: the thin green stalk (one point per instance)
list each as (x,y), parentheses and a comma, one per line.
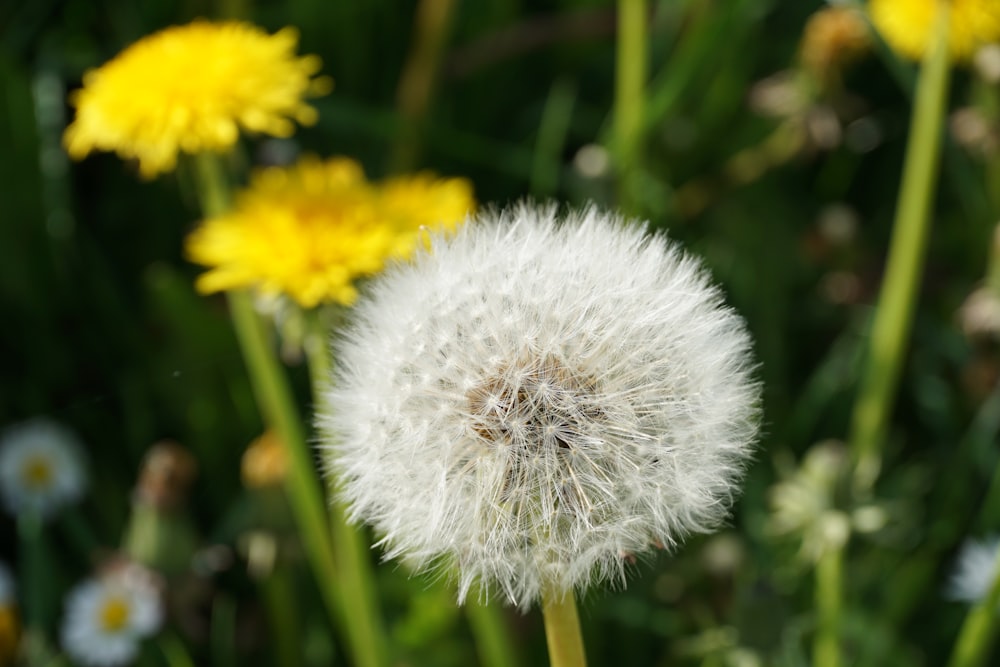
(34,565)
(976,636)
(829,603)
(552,130)
(274,396)
(419,77)
(894,315)
(351,546)
(493,641)
(223,631)
(279,596)
(174,651)
(562,630)
(993,267)
(629,104)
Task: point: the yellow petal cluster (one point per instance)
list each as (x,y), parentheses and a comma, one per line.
(908,25)
(193,88)
(311,230)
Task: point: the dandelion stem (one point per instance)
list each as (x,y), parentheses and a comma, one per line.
(562,630)
(894,315)
(351,546)
(274,397)
(629,109)
(493,641)
(303,487)
(829,586)
(973,643)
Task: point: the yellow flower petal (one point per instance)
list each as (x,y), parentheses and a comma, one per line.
(310,231)
(193,88)
(907,25)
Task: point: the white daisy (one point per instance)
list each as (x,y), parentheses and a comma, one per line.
(107,618)
(41,467)
(975,570)
(533,402)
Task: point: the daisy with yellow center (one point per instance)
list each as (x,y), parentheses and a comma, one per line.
(908,25)
(41,468)
(194,88)
(312,230)
(106,619)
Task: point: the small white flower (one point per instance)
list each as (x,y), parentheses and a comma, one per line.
(975,570)
(41,468)
(530,403)
(107,618)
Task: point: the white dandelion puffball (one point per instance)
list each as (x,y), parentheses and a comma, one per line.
(41,468)
(107,618)
(532,402)
(975,570)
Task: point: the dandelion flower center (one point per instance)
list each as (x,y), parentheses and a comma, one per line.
(539,411)
(37,472)
(114,614)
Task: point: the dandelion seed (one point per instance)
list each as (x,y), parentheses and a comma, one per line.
(531,403)
(106,619)
(41,468)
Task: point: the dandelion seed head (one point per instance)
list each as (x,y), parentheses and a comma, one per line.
(531,403)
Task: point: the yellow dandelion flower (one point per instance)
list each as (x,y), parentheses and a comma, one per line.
(193,88)
(908,25)
(311,230)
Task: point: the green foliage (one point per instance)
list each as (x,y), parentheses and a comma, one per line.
(104,332)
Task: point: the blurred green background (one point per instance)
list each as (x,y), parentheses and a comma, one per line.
(785,185)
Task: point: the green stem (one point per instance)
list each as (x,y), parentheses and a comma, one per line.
(552,130)
(174,651)
(304,491)
(630,82)
(980,625)
(223,631)
(351,546)
(562,630)
(493,641)
(417,82)
(894,315)
(279,595)
(829,587)
(34,565)
(274,396)
(993,267)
